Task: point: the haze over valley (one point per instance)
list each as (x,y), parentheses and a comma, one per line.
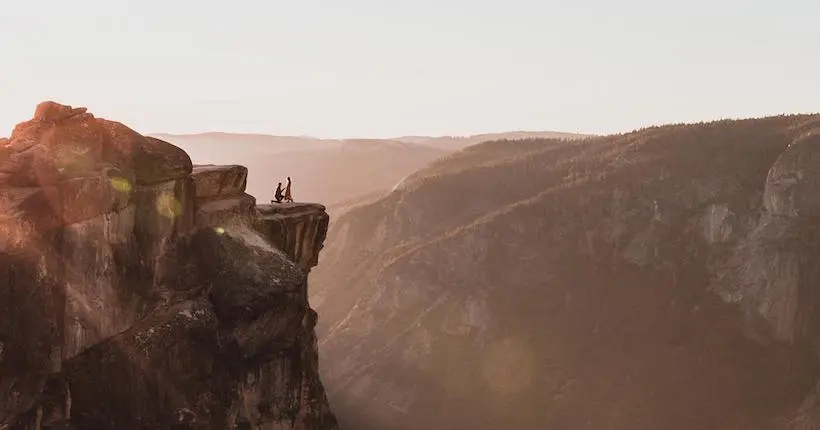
(628,281)
(528,215)
(331,171)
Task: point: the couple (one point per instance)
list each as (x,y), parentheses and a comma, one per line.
(286,196)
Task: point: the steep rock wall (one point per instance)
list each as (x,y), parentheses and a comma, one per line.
(299,229)
(773,270)
(136,294)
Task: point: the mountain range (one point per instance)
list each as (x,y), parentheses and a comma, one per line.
(658,279)
(331,171)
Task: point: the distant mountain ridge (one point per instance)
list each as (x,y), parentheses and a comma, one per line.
(330,171)
(451,141)
(459,142)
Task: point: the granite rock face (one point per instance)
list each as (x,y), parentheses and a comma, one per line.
(299,229)
(794,180)
(221,196)
(774,269)
(125,306)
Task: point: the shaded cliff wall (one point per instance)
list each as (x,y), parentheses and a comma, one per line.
(297,229)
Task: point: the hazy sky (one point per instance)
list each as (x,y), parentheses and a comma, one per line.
(344,68)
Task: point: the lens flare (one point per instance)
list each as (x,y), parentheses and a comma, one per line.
(121,184)
(168,205)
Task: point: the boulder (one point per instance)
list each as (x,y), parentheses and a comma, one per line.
(51,111)
(213,181)
(62,143)
(157,161)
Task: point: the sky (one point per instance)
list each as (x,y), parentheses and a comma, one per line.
(382,68)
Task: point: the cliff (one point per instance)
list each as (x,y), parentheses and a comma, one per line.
(660,279)
(140,292)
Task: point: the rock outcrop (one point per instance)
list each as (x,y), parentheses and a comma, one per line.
(297,229)
(136,290)
(774,270)
(220,193)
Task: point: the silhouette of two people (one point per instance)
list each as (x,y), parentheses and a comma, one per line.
(283,195)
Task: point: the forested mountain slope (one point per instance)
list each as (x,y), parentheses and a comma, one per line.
(659,279)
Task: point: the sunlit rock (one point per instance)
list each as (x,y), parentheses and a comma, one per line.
(129,301)
(62,143)
(212,181)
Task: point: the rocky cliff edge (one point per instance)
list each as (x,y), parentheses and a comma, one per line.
(138,291)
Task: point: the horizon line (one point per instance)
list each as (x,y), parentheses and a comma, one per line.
(466,136)
(394,137)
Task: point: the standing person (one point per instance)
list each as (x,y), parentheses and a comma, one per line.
(279,195)
(288,197)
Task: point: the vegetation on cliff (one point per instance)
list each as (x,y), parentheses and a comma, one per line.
(614,282)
